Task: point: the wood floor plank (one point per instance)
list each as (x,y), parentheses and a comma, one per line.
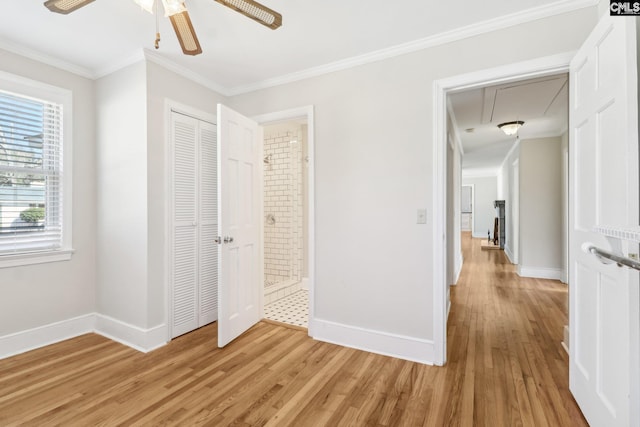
(505,367)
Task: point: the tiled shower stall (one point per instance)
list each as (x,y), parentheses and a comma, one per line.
(285,166)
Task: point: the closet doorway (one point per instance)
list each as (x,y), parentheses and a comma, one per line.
(193,221)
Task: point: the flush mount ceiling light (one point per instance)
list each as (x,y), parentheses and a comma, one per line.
(511,128)
(177,12)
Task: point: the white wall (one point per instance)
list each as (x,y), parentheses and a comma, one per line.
(121,131)
(485,192)
(506,184)
(565,206)
(374,168)
(36,295)
(541,203)
(454,185)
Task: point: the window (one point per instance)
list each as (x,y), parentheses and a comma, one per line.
(33,186)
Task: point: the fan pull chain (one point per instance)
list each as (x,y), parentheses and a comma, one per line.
(157,41)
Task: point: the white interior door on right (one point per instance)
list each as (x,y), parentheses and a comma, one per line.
(604,299)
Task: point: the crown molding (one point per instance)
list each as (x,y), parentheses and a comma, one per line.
(119,64)
(184,72)
(494,24)
(29,53)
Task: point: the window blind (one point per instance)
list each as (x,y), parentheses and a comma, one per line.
(30,174)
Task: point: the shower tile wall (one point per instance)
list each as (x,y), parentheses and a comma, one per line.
(283,206)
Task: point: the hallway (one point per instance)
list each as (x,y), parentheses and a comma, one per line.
(506,364)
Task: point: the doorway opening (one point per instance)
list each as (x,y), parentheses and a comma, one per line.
(286,267)
(288,223)
(541,68)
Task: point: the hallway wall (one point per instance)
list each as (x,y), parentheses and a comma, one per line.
(541,214)
(484,194)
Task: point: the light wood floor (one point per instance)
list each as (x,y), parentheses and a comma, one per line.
(506,368)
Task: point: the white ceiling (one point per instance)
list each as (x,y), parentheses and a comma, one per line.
(541,103)
(239,52)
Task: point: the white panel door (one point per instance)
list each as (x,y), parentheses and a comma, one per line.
(603,183)
(194,219)
(208,224)
(184,247)
(240,184)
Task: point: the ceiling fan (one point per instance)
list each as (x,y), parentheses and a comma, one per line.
(179,16)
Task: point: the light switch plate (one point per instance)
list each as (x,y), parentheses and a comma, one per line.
(422,216)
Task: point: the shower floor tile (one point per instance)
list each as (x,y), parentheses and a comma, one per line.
(293,309)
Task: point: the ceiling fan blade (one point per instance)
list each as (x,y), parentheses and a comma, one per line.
(185,33)
(65,6)
(254,10)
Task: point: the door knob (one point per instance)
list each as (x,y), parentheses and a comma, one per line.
(228,239)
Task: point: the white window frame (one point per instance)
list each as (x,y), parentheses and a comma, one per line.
(22,86)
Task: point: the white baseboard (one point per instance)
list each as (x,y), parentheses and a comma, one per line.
(459,263)
(565,341)
(143,340)
(24,341)
(479,235)
(304,283)
(540,273)
(509,254)
(401,347)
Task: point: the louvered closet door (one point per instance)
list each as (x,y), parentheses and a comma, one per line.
(194,252)
(184,242)
(208,225)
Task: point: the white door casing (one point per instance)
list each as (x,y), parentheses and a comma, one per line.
(603,182)
(240,212)
(305,113)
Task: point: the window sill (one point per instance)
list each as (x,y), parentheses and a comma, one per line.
(18,260)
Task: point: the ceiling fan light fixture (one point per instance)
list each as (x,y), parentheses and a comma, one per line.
(173,7)
(259,13)
(146,4)
(511,128)
(65,6)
